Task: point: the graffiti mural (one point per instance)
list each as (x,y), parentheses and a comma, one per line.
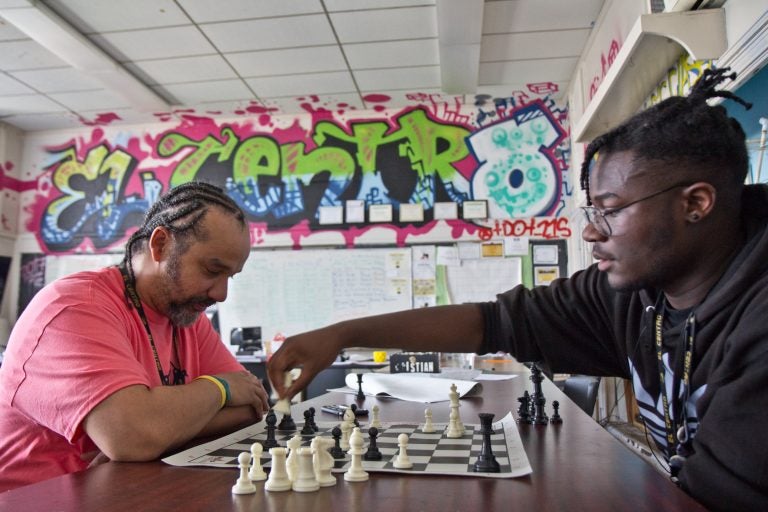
(678,80)
(281,175)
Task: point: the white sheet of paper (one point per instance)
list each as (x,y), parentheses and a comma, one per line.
(410,387)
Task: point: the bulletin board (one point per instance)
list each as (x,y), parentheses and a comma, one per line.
(291,291)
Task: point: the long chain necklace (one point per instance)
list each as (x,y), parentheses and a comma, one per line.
(179,374)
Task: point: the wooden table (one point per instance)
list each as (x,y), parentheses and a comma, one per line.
(576,466)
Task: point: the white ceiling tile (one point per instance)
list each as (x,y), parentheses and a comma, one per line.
(533,45)
(537,15)
(547,70)
(288,61)
(9,32)
(354,5)
(39,122)
(26,103)
(297,85)
(57,80)
(89,16)
(9,86)
(90,100)
(289,32)
(206,11)
(385,24)
(161,43)
(26,54)
(409,78)
(216,90)
(391,54)
(182,69)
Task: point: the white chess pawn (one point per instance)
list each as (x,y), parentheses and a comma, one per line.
(257,473)
(243,485)
(322,461)
(278,477)
(428,427)
(346,431)
(375,419)
(305,480)
(402,461)
(355,473)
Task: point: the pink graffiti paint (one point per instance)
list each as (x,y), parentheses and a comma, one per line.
(376,98)
(101,119)
(543,88)
(318,113)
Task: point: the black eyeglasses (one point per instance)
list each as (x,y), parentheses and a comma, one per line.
(598,218)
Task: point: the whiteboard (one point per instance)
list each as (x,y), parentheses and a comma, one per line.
(287,291)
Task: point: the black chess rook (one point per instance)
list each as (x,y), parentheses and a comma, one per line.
(486,461)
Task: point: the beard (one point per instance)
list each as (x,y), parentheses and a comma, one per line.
(181,312)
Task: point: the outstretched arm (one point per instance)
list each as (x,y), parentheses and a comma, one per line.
(138,423)
(444,328)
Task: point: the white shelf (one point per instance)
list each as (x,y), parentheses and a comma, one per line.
(652,46)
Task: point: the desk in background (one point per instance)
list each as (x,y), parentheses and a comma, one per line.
(576,466)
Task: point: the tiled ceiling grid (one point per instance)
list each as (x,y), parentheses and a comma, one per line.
(221,56)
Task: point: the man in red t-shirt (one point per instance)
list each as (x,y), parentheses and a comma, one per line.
(121,363)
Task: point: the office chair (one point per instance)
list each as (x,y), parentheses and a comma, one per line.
(582,389)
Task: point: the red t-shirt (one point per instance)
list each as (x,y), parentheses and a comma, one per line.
(77,342)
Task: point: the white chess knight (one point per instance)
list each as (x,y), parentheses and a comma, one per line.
(243,485)
(283,405)
(402,461)
(322,461)
(355,473)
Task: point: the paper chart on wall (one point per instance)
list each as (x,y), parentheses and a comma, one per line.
(295,291)
(481,280)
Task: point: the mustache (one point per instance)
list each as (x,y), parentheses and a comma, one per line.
(197,301)
(599,255)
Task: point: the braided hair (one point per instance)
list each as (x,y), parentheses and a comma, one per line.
(181,211)
(684,133)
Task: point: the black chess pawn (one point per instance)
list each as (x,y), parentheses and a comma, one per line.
(270,441)
(336,451)
(486,461)
(556,414)
(373,452)
(312,419)
(360,394)
(524,411)
(307,429)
